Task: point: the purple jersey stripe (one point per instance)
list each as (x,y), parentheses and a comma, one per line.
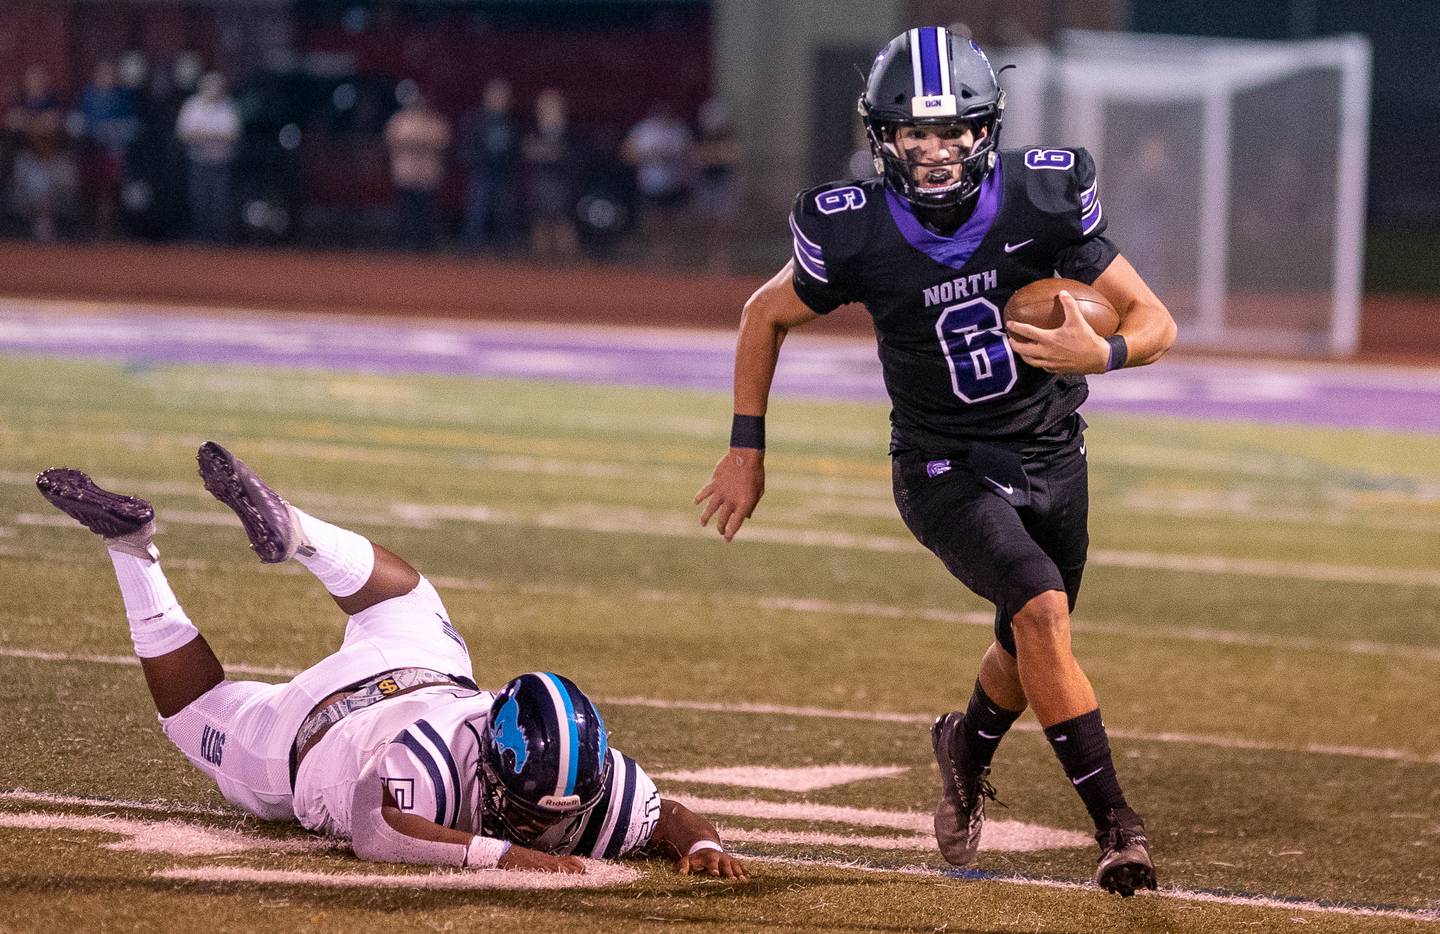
(817,273)
(808,246)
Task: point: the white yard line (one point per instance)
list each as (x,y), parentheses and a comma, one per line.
(610,520)
(869,716)
(805,605)
(178,838)
(597,875)
(610,873)
(1010,836)
(801,778)
(169,808)
(1168,892)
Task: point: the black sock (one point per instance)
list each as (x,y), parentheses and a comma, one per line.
(1084,753)
(985,725)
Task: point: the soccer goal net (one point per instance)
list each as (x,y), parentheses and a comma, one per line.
(1232,173)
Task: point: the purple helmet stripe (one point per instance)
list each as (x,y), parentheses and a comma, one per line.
(930,82)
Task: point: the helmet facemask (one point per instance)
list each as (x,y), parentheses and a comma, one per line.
(930,77)
(544,762)
(901,172)
(529,823)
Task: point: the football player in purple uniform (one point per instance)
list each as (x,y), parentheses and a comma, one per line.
(388,742)
(987,445)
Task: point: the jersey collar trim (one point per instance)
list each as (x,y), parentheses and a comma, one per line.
(953,251)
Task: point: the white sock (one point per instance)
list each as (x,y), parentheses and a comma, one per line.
(342,560)
(158,625)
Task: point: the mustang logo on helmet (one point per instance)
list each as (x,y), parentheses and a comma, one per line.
(510,736)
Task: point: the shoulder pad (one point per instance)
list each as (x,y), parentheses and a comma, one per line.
(422,773)
(626,814)
(1058,181)
(833,221)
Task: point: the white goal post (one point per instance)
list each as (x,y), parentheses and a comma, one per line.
(1233,173)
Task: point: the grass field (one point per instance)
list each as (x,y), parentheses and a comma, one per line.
(1261,620)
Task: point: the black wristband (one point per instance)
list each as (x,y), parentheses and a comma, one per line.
(1119,352)
(748,431)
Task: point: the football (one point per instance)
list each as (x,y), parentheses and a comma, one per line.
(1036,304)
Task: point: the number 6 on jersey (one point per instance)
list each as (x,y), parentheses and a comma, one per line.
(982,365)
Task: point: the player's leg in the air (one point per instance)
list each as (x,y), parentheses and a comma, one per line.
(391,606)
(356,573)
(201,711)
(176,660)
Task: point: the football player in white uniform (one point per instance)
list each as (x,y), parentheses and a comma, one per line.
(388,742)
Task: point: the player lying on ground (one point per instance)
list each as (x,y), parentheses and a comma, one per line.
(388,742)
(988,447)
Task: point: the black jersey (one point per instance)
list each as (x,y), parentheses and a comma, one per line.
(936,300)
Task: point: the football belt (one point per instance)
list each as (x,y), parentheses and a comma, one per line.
(366,694)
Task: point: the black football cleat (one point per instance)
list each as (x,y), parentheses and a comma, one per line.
(127,523)
(1125,865)
(960,815)
(270,523)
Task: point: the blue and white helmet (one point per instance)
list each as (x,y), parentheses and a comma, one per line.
(545,761)
(931,76)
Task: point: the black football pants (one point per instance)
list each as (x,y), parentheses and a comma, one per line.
(1008,528)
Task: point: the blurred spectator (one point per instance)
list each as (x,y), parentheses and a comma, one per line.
(418,139)
(44,178)
(717,197)
(209,127)
(660,149)
(490,152)
(550,162)
(604,210)
(107,111)
(861,163)
(1154,191)
(152,196)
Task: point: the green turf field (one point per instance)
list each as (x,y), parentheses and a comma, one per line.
(1261,621)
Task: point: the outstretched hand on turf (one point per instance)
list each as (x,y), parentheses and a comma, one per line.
(735,488)
(713,863)
(1072,348)
(523,858)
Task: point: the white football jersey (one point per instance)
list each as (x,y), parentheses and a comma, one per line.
(438,726)
(429,746)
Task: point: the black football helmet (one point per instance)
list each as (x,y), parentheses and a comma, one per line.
(930,76)
(544,761)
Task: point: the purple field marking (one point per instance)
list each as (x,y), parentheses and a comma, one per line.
(813,365)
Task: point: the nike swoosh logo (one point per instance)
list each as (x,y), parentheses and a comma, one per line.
(1012,247)
(981,732)
(1082,450)
(1003,487)
(1076,781)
